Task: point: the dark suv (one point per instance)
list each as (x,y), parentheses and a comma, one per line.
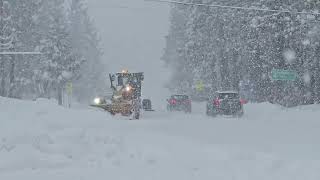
(225,103)
(179,103)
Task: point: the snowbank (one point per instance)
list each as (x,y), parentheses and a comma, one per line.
(40,140)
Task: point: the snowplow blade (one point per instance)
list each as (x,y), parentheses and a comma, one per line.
(124,109)
(101,106)
(149,110)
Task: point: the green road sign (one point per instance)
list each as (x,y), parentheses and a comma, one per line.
(283,75)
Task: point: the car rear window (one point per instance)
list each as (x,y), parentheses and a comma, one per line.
(228,96)
(180,97)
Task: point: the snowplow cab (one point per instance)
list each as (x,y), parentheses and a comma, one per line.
(129,84)
(126,94)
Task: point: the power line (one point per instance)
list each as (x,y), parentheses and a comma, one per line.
(20,53)
(233,7)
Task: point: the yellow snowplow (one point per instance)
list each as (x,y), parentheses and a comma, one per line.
(126,95)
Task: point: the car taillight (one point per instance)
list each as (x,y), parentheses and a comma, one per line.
(216,102)
(242,101)
(173,101)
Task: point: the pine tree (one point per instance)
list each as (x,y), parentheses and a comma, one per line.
(62,63)
(69,43)
(174,55)
(24,17)
(85,42)
(7,40)
(224,47)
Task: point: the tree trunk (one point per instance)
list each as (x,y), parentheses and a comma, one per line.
(316,88)
(2,68)
(60,100)
(11,77)
(3,78)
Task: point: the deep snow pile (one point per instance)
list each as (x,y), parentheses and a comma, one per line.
(40,140)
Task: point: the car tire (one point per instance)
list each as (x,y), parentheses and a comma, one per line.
(207,112)
(188,110)
(210,113)
(240,114)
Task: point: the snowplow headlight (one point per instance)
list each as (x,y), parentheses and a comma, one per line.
(97,101)
(128,88)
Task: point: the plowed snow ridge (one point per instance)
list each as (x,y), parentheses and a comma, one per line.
(39,140)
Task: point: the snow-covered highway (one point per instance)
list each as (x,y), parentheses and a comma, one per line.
(40,140)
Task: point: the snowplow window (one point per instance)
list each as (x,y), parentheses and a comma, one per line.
(123,80)
(229,96)
(120,81)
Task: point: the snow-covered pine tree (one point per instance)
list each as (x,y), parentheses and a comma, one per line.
(61,64)
(173,53)
(86,43)
(7,40)
(198,51)
(23,19)
(245,45)
(69,44)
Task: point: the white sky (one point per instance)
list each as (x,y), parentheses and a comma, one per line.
(132,33)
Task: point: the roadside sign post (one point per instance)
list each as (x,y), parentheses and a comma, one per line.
(199,86)
(69,90)
(283,82)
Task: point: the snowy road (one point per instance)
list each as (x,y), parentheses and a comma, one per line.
(43,141)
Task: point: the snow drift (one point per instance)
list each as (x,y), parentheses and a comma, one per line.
(40,140)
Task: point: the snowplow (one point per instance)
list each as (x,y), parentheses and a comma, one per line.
(126,95)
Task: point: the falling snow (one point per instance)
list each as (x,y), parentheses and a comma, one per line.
(307,78)
(290,56)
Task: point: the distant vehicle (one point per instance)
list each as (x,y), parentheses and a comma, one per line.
(179,103)
(146,105)
(225,103)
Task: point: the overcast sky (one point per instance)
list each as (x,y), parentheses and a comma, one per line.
(132,33)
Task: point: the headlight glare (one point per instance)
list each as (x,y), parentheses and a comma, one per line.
(97,100)
(128,88)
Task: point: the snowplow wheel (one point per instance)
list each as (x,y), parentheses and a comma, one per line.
(136,109)
(136,115)
(136,112)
